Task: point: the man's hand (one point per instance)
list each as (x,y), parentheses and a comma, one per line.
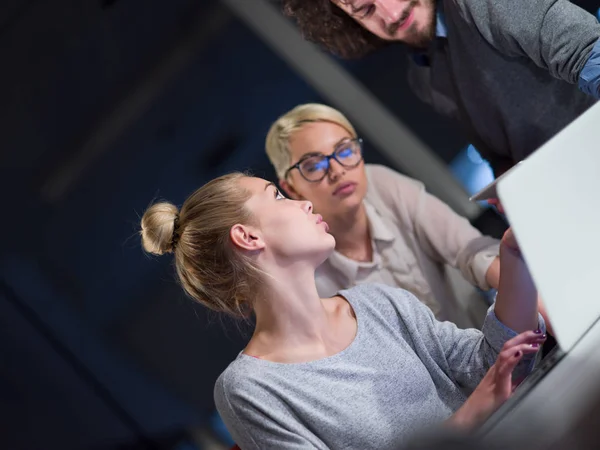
(497,385)
(495,202)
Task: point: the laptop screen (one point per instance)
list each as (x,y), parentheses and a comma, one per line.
(552,202)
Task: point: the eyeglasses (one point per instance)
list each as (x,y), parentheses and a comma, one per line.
(315,166)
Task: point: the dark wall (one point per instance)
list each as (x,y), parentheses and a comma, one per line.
(105,106)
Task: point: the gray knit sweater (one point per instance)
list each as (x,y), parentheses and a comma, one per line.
(403,371)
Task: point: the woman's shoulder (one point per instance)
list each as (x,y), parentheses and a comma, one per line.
(393,194)
(382,178)
(239,376)
(241,386)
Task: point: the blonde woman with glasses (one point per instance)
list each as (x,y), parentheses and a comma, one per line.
(387,228)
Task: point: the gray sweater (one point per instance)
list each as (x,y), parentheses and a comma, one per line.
(507,71)
(403,371)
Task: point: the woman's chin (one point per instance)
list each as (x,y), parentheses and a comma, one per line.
(329,246)
(351,204)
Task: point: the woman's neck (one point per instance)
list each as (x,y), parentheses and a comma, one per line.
(292,298)
(292,321)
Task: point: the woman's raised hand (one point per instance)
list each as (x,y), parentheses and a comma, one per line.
(498,384)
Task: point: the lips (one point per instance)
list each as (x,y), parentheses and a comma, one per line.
(407,19)
(345,188)
(321,221)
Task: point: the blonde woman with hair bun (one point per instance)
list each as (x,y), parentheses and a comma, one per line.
(366,368)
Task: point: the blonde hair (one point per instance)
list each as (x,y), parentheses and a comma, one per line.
(280,133)
(209,267)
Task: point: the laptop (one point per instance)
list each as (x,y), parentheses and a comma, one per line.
(490,191)
(552,201)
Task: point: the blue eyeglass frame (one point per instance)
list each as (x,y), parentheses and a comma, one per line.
(328,158)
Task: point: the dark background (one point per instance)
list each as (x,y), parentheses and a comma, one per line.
(105,106)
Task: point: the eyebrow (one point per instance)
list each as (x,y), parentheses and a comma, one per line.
(351,4)
(268,185)
(335,146)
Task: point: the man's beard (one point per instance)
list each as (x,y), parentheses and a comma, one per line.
(420,39)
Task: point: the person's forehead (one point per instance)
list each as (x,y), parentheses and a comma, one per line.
(317,137)
(255,185)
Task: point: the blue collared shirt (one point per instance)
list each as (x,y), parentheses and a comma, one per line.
(420,57)
(589,78)
(440,23)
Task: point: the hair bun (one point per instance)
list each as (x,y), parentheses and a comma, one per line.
(158,223)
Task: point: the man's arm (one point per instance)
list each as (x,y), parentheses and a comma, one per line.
(589,79)
(555,34)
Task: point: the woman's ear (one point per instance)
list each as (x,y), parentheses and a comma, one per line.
(289,190)
(246,238)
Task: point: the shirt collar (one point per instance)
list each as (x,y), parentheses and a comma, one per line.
(440,23)
(379,232)
(441,31)
(377,227)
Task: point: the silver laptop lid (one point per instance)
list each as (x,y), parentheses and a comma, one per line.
(553,204)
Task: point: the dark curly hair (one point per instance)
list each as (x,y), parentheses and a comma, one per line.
(322,22)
